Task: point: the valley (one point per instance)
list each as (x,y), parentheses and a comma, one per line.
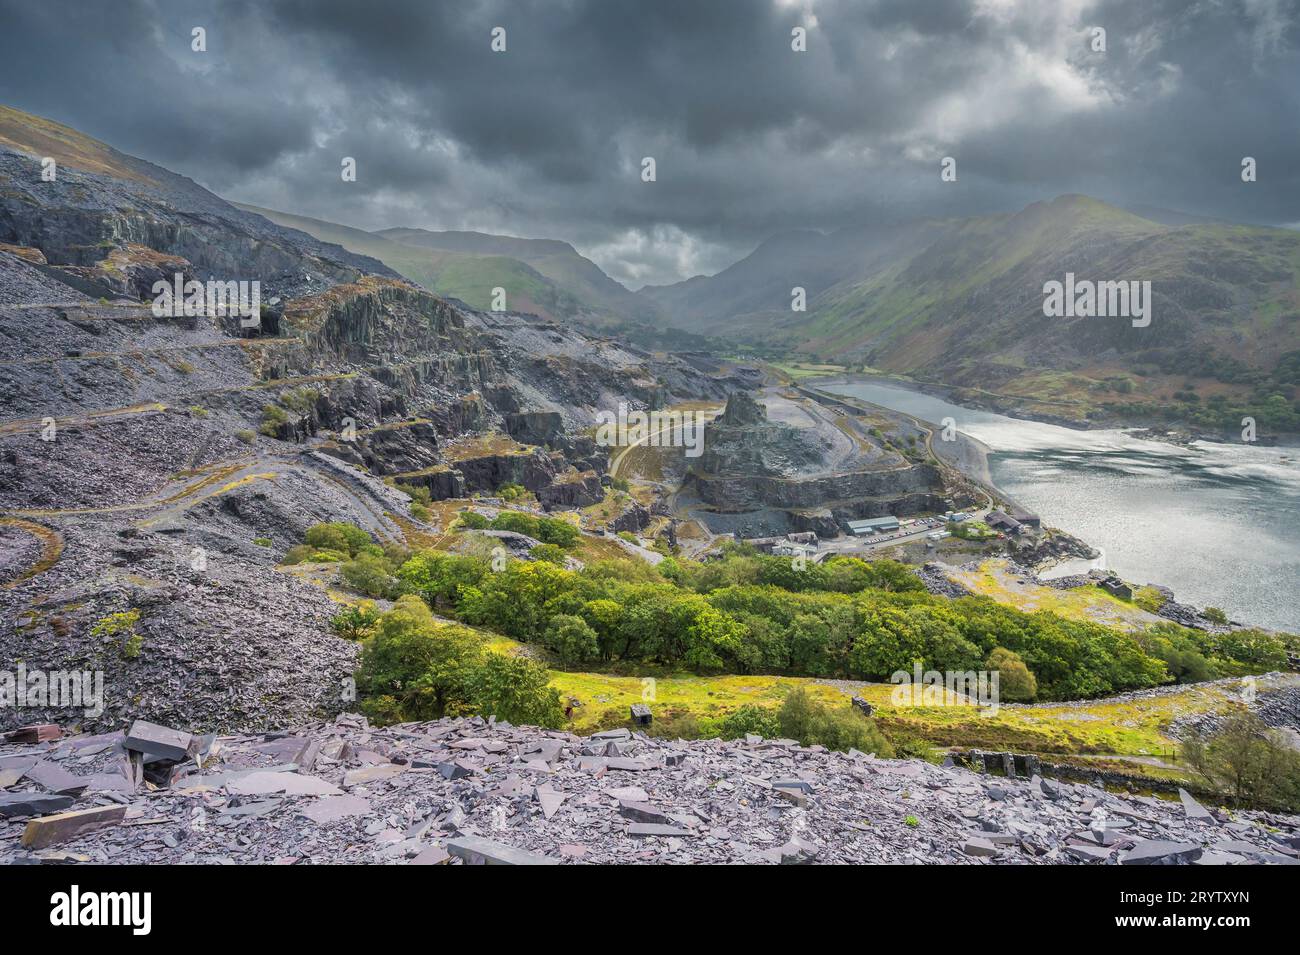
(384,521)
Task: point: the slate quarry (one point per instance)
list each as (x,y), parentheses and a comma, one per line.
(471,791)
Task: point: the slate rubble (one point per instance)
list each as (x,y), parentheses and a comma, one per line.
(470,791)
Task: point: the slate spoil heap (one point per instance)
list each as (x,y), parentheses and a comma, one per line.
(469,791)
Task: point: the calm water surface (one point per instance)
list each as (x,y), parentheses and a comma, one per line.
(1218,523)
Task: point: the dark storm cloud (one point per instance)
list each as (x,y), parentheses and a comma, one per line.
(750,138)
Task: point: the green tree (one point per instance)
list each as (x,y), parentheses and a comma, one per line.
(1248,762)
(572,639)
(1015,683)
(416,668)
(371,575)
(355,621)
(515,690)
(337,536)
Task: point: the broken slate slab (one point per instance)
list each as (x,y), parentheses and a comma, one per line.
(457,769)
(36,733)
(1090,853)
(434,855)
(644,830)
(253,809)
(475,850)
(1193,808)
(795,796)
(333,808)
(628,765)
(630,793)
(371,774)
(643,812)
(11,777)
(52,776)
(1161,852)
(115,782)
(157,742)
(32,804)
(979,847)
(550,800)
(263,784)
(66,826)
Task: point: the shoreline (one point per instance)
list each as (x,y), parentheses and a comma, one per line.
(1179,434)
(969,457)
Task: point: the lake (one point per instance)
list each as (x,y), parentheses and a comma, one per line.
(1217,523)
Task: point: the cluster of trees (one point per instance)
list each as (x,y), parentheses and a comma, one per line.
(846,619)
(413,667)
(1247,762)
(373,569)
(548,530)
(744,613)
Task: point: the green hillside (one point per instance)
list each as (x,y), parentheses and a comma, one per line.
(464,274)
(960,302)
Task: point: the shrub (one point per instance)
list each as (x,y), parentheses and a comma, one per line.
(115,624)
(246,435)
(572,639)
(325,557)
(439,577)
(552,553)
(515,690)
(473,520)
(1247,762)
(272,417)
(418,493)
(337,536)
(133,646)
(120,626)
(412,668)
(1015,683)
(759,720)
(812,723)
(355,621)
(420,512)
(370,574)
(301,400)
(297,554)
(1215,615)
(263,541)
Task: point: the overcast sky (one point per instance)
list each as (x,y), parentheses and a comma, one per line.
(749,137)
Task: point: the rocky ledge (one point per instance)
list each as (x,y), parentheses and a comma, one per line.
(469,790)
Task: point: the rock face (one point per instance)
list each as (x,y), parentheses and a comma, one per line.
(162,465)
(815,477)
(470,791)
(534,427)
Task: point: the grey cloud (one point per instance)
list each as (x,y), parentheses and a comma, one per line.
(750,138)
